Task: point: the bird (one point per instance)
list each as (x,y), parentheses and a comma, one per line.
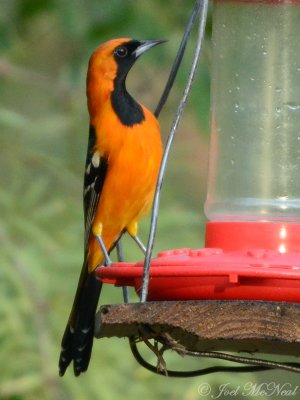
(123,158)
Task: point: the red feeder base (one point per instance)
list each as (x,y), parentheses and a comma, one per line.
(235,268)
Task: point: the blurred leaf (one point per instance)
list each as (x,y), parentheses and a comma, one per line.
(27,8)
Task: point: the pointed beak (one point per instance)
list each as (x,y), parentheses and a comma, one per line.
(145,46)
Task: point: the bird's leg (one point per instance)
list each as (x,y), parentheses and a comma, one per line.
(97,231)
(139,243)
(132,230)
(104,251)
(121,259)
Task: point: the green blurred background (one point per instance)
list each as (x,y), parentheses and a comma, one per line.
(45,46)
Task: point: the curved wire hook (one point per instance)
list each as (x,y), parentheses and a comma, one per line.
(156,201)
(254,364)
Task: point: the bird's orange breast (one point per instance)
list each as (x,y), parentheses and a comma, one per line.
(133,154)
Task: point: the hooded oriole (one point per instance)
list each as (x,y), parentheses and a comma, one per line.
(123,158)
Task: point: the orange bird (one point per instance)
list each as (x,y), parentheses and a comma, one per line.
(123,159)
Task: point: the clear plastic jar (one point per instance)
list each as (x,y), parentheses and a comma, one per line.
(254,170)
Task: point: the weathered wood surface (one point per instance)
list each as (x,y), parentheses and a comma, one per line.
(252,326)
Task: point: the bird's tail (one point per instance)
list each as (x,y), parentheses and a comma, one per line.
(78,338)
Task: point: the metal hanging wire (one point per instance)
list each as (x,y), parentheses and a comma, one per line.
(200,6)
(178,59)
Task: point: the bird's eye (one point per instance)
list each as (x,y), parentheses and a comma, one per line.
(121,51)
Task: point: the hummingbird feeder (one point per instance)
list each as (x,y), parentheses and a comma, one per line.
(251,258)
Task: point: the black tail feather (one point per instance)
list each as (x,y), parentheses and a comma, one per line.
(78,338)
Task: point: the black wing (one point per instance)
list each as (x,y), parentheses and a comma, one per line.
(77,341)
(95,172)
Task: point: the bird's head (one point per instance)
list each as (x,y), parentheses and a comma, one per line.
(113,60)
(117,56)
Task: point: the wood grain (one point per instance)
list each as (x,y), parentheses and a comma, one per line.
(252,326)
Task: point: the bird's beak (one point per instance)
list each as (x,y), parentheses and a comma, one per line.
(145,46)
